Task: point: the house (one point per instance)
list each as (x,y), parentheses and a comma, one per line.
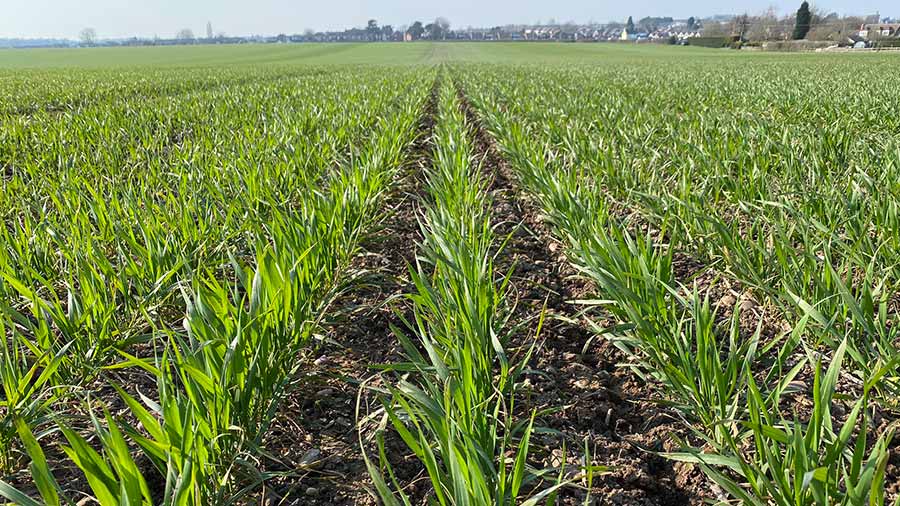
(541,33)
(611,34)
(879,30)
(686,34)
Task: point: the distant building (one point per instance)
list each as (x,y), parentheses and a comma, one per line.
(879,30)
(686,34)
(635,37)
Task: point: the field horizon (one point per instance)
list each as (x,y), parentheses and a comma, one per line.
(373,54)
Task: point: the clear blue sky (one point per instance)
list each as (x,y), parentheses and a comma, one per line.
(121,18)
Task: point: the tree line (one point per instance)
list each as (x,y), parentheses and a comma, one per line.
(807,23)
(439,29)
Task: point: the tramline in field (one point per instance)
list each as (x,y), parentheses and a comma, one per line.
(638,276)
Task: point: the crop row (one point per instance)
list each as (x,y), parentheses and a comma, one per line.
(36,93)
(450,408)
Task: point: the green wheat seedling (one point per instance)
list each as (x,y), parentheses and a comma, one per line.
(805,463)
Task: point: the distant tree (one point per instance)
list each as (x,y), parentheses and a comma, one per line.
(185,34)
(629,25)
(691,23)
(416,30)
(804,21)
(88,36)
(649,23)
(373,30)
(762,27)
(209,30)
(443,25)
(835,28)
(387,32)
(437,30)
(716,29)
(831,17)
(741,25)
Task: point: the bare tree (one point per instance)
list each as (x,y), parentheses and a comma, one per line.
(444,25)
(209,30)
(761,27)
(741,25)
(716,29)
(88,36)
(834,28)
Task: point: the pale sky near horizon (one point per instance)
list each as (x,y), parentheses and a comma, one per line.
(146,18)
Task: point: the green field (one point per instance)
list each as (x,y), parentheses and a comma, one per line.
(374,54)
(455,274)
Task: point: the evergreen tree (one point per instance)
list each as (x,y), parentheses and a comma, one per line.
(416,30)
(804,21)
(629,26)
